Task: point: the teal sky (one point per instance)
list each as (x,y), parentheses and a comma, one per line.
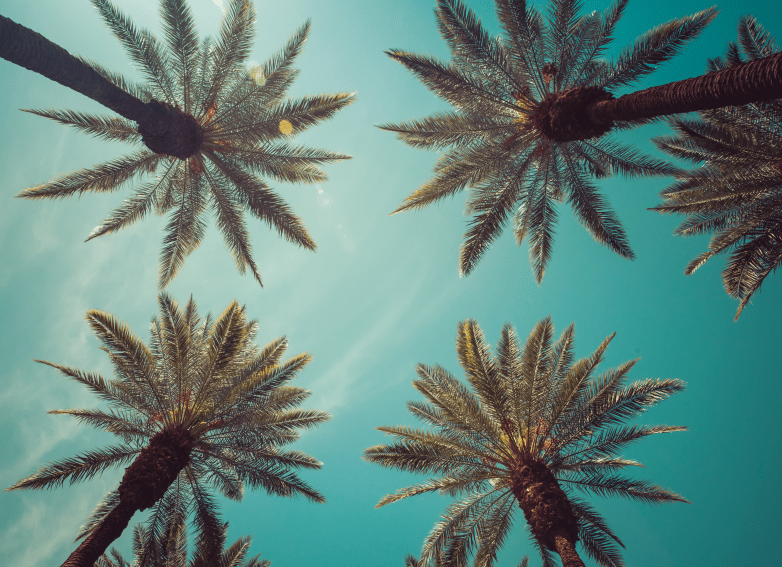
(381,294)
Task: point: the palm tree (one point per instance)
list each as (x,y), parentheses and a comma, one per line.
(536,427)
(201,408)
(439,561)
(171,549)
(522,135)
(737,191)
(209,125)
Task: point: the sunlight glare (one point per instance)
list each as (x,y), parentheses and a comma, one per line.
(286,127)
(219,4)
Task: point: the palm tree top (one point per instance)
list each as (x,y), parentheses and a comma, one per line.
(530,412)
(498,137)
(209,395)
(736,193)
(170,548)
(233,125)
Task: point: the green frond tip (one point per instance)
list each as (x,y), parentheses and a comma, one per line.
(734,194)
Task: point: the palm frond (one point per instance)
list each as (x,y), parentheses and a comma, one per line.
(82,467)
(614,485)
(542,218)
(449,129)
(231,48)
(104,127)
(460,89)
(105,506)
(286,163)
(264,204)
(182,38)
(142,47)
(656,47)
(231,224)
(594,214)
(137,206)
(469,42)
(490,216)
(103,178)
(184,231)
(755,41)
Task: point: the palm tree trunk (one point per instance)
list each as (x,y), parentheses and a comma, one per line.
(144,483)
(755,81)
(164,129)
(587,112)
(567,551)
(32,51)
(101,538)
(546,509)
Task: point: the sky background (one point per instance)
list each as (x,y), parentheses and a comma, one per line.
(381,294)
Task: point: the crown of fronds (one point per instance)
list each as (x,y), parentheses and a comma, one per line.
(557,411)
(493,145)
(737,191)
(171,549)
(439,561)
(247,126)
(206,377)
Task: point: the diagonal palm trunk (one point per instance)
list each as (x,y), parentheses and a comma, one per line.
(585,112)
(546,509)
(164,128)
(144,483)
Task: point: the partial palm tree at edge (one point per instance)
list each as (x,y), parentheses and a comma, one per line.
(736,193)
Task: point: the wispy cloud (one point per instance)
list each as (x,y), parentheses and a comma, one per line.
(333,389)
(43,532)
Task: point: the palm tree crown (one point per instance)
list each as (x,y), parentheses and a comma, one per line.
(440,561)
(534,427)
(501,88)
(171,549)
(240,124)
(737,191)
(202,408)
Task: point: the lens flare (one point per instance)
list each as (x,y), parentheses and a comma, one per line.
(286,127)
(256,74)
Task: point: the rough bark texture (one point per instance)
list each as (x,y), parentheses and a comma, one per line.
(562,117)
(163,128)
(545,505)
(144,483)
(32,51)
(169,131)
(755,81)
(567,552)
(587,112)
